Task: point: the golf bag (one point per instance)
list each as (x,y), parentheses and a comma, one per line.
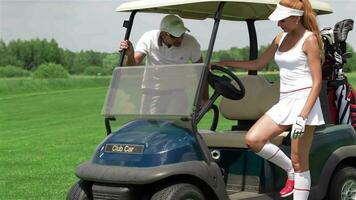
(352,99)
(340,92)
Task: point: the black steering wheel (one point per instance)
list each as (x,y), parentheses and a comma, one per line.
(223,84)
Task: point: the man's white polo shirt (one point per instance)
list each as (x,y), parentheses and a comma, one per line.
(163,55)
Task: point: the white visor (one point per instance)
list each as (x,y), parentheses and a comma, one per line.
(282,12)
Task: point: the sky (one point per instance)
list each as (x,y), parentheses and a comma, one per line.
(94,25)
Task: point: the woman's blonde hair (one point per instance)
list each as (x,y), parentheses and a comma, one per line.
(308,20)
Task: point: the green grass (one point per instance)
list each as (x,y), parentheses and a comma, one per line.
(45,132)
(21,86)
(47,128)
(43,138)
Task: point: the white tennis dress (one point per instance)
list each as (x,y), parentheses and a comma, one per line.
(295,86)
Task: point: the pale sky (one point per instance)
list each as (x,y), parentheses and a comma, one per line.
(94,25)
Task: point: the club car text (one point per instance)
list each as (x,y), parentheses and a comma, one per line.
(124,148)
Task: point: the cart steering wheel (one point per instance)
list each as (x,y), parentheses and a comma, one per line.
(223,84)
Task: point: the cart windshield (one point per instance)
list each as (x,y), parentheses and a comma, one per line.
(166,90)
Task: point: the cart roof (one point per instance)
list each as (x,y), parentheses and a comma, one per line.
(237,10)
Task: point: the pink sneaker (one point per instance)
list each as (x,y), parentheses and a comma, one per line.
(288,189)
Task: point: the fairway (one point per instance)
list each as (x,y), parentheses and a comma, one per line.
(46,133)
(43,138)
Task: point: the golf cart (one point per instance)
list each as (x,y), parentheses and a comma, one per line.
(160,154)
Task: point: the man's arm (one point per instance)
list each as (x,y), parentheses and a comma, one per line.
(133,58)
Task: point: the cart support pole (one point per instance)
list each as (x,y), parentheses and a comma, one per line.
(128,25)
(253,43)
(203,80)
(209,53)
(217,19)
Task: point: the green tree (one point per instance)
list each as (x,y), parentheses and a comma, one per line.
(6,58)
(111,60)
(350,64)
(13,71)
(68,60)
(50,70)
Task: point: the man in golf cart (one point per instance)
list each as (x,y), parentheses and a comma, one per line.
(169,45)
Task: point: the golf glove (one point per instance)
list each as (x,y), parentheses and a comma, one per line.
(298,128)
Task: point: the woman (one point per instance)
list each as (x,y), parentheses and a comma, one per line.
(298,53)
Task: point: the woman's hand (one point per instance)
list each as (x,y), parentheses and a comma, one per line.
(298,128)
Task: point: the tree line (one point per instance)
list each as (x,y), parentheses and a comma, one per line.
(30,54)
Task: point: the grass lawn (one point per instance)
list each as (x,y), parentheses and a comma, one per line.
(44,135)
(49,127)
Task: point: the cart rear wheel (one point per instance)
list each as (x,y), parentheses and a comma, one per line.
(181,191)
(343,184)
(81,190)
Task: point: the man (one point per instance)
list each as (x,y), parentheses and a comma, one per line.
(168,45)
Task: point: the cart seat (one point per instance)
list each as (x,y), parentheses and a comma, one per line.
(260,95)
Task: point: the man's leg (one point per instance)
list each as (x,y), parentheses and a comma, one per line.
(178,102)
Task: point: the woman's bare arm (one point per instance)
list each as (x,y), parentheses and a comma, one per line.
(312,51)
(257,64)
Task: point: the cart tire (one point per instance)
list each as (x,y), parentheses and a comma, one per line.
(81,190)
(343,184)
(181,191)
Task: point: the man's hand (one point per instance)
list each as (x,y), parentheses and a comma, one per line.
(298,128)
(126,45)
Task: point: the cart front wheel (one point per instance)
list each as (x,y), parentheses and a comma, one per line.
(81,190)
(182,191)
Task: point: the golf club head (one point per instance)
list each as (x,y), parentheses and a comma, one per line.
(342,28)
(327,35)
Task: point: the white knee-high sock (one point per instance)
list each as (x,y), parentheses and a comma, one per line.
(275,155)
(302,185)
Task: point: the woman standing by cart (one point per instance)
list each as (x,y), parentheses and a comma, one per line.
(298,53)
